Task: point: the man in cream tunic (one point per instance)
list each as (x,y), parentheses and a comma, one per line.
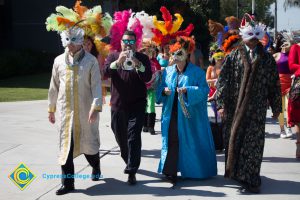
(75,93)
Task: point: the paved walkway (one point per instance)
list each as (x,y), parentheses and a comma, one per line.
(28,137)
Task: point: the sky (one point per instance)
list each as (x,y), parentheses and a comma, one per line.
(289,19)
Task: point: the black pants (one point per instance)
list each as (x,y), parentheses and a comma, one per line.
(68,168)
(170,166)
(127,127)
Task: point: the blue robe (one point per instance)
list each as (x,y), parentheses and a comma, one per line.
(197,158)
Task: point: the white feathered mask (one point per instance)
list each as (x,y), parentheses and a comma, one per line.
(250,29)
(73,35)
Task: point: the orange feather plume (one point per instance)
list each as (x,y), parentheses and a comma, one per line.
(228,43)
(80,9)
(64,21)
(188,43)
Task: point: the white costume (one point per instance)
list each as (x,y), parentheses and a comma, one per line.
(75,89)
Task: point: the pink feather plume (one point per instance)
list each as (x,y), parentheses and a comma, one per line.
(118,28)
(137,28)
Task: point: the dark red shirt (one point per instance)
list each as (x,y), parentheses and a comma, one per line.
(128,88)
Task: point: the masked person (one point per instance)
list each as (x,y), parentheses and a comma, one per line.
(187,143)
(75,92)
(149,48)
(129,70)
(248,82)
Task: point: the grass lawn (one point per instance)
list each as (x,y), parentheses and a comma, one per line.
(25,88)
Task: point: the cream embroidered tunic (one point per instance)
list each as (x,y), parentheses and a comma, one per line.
(73,92)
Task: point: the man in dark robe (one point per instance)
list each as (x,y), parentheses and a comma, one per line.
(247,84)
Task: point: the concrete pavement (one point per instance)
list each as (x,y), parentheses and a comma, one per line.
(28,137)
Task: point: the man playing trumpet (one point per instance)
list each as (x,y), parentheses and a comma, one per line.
(128,74)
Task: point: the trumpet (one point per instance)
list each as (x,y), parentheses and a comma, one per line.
(128,63)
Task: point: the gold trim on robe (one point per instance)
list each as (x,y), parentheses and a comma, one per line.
(67,131)
(76,130)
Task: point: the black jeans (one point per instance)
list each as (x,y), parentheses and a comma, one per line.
(68,168)
(127,127)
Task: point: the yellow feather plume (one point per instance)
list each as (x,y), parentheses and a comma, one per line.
(160,25)
(177,23)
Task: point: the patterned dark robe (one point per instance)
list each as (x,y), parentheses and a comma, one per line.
(244,90)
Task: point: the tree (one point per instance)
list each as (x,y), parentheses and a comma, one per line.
(228,8)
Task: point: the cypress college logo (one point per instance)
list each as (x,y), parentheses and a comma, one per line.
(21,176)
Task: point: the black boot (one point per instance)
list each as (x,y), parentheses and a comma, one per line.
(94,161)
(96,174)
(131,179)
(146,128)
(65,189)
(151,123)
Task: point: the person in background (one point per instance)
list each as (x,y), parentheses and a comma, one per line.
(294,95)
(149,49)
(282,63)
(187,143)
(163,56)
(212,74)
(89,46)
(197,57)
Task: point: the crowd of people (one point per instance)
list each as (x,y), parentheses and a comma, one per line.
(145,61)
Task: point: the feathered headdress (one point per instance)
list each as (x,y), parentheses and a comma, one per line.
(146,21)
(213,46)
(249,29)
(167,30)
(64,19)
(94,23)
(149,48)
(187,43)
(122,22)
(218,55)
(231,43)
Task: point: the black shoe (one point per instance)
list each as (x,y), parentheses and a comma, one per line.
(172,179)
(96,174)
(65,189)
(145,129)
(131,179)
(245,189)
(151,130)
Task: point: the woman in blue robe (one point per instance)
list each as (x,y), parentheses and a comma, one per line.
(187,142)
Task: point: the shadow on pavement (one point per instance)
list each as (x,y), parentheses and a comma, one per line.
(270,120)
(154,153)
(272,186)
(280,160)
(276,135)
(272,135)
(113,186)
